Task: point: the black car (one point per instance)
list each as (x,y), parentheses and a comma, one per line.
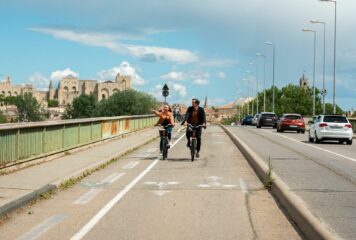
(267,119)
(247,120)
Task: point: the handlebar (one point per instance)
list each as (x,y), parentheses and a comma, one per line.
(195,126)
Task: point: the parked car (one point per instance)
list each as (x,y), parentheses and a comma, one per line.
(291,122)
(254,120)
(267,119)
(331,127)
(247,120)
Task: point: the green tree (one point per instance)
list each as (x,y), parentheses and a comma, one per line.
(128,102)
(28,108)
(52,103)
(293,99)
(329,109)
(83,106)
(2,118)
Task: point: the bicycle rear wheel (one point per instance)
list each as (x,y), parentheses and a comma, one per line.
(165,149)
(193,146)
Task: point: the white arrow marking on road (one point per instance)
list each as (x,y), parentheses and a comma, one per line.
(204,185)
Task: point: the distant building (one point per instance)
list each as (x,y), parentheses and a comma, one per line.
(68,89)
(304,82)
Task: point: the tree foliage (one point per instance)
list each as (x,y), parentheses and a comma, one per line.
(83,106)
(53,103)
(2,118)
(28,108)
(294,99)
(128,102)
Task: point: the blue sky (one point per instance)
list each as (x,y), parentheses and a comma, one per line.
(199,48)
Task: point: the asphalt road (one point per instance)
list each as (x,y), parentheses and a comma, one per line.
(142,197)
(323,175)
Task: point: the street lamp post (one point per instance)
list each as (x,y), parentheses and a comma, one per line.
(334,80)
(274,56)
(248,92)
(251,64)
(323,91)
(165,92)
(313,31)
(264,80)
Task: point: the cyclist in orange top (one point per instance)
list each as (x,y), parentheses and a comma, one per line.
(165,118)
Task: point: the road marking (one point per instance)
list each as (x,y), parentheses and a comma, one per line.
(42,228)
(88,196)
(337,154)
(131,165)
(161,192)
(161,186)
(152,150)
(87,227)
(243,186)
(212,181)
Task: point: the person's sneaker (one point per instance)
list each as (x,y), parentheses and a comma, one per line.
(160,154)
(188,144)
(169,145)
(197,155)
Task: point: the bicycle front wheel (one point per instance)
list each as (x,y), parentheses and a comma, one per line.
(193,146)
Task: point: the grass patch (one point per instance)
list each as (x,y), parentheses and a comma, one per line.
(268,181)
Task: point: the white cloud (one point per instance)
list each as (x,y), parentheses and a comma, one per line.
(125,70)
(110,41)
(221,75)
(201,81)
(180,89)
(39,81)
(174,76)
(59,74)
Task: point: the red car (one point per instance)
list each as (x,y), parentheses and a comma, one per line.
(291,122)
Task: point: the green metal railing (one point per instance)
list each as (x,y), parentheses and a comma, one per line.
(27,141)
(353,123)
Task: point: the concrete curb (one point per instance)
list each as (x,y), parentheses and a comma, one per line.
(35,194)
(297,209)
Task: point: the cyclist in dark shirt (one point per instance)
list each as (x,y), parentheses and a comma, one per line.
(195,115)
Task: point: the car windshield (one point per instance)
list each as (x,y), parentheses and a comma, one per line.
(269,115)
(335,119)
(249,117)
(293,117)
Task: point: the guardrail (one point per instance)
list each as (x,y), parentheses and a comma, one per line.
(353,123)
(22,142)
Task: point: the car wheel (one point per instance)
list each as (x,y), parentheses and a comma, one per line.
(310,138)
(317,140)
(303,131)
(281,130)
(259,126)
(349,142)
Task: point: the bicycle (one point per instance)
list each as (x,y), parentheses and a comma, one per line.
(164,142)
(193,139)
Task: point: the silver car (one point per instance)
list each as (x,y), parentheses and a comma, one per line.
(331,127)
(254,120)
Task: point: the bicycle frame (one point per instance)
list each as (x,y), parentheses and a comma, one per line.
(193,139)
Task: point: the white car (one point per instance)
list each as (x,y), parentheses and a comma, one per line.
(331,127)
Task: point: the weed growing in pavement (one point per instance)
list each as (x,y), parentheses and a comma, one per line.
(67,153)
(268,181)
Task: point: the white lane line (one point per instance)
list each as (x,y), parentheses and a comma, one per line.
(243,186)
(152,150)
(131,165)
(88,196)
(312,146)
(84,230)
(42,228)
